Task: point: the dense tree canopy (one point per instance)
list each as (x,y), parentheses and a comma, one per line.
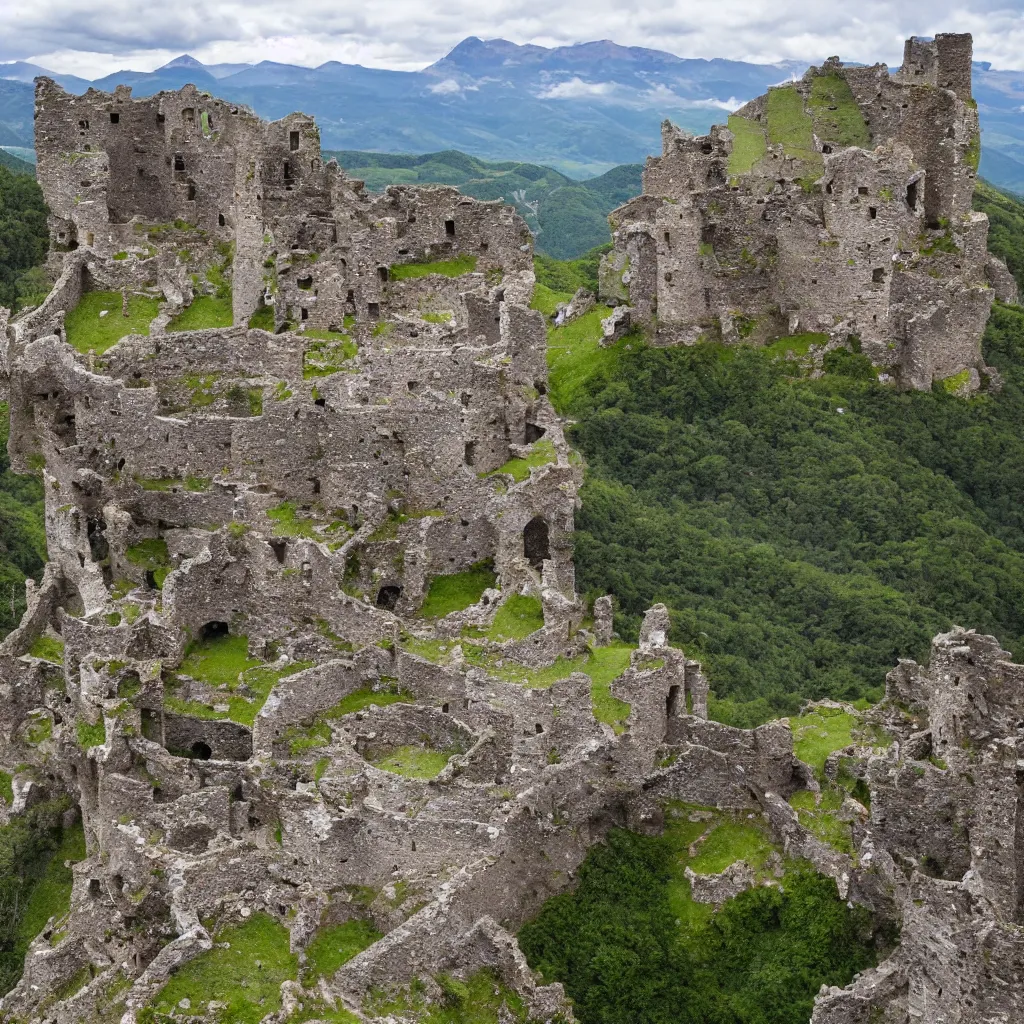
(23,233)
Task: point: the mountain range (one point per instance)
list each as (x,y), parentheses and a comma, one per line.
(580,109)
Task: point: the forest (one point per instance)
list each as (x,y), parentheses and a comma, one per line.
(805,533)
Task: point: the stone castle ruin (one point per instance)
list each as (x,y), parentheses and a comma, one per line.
(836,206)
(308,644)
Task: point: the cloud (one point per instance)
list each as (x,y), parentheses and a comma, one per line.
(576,89)
(94,37)
(449,87)
(662,95)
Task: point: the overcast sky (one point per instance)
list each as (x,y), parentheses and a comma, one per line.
(94,37)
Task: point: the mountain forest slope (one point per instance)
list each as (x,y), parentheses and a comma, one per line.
(567,217)
(805,533)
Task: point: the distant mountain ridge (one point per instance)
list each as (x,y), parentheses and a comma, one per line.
(580,109)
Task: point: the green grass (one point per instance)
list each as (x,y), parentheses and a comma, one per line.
(87,331)
(518,617)
(605,665)
(204,312)
(547,299)
(791,125)
(457,591)
(224,660)
(289,521)
(542,453)
(837,116)
(334,945)
(328,353)
(795,344)
(481,999)
(465,264)
(729,842)
(415,762)
(303,738)
(48,648)
(51,895)
(953,384)
(6,788)
(821,820)
(576,360)
(91,735)
(819,733)
(246,975)
(151,555)
(262,319)
(748,146)
(170,483)
(437,318)
(364,698)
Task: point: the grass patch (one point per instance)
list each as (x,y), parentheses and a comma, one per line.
(820,817)
(836,115)
(795,344)
(289,521)
(437,318)
(819,733)
(335,945)
(48,648)
(576,360)
(518,617)
(748,146)
(364,698)
(96,323)
(465,264)
(152,556)
(225,661)
(605,665)
(456,591)
(244,971)
(7,788)
(547,299)
(204,312)
(414,762)
(262,319)
(327,353)
(729,842)
(790,125)
(542,453)
(480,999)
(91,735)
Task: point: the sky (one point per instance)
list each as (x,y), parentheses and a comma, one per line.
(92,38)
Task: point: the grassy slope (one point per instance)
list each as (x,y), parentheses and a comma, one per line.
(570,219)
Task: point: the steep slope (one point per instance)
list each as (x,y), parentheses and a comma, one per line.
(804,532)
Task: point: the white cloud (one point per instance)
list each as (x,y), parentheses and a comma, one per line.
(93,37)
(662,95)
(576,89)
(449,87)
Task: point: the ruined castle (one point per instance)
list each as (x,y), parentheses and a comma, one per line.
(308,645)
(837,206)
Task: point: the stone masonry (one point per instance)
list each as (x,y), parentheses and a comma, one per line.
(295,482)
(837,206)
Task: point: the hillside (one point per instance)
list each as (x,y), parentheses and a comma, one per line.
(13,163)
(568,217)
(805,533)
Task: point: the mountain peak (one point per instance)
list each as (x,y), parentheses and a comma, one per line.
(186,60)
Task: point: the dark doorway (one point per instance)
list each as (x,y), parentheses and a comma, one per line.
(387,597)
(212,630)
(201,751)
(672,702)
(536,546)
